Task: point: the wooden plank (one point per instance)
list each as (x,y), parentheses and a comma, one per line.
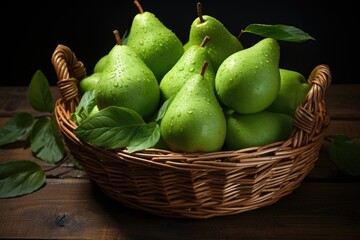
(77,209)
(325,169)
(342,100)
(20,151)
(347,127)
(15,99)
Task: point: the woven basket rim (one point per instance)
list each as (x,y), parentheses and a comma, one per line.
(249,155)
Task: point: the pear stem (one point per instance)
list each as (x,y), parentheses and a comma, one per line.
(117,37)
(241,33)
(138,5)
(203,68)
(204,41)
(199,12)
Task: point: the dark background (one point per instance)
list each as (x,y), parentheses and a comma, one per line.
(31,31)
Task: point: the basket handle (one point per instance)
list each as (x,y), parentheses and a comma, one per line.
(69,72)
(311,116)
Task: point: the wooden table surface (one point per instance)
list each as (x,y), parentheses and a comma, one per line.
(70,206)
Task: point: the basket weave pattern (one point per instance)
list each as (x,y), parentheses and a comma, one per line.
(201,185)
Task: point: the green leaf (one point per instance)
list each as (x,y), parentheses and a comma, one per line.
(16,128)
(279,32)
(117,127)
(75,162)
(86,105)
(20,177)
(46,141)
(39,94)
(163,108)
(125,37)
(146,136)
(345,153)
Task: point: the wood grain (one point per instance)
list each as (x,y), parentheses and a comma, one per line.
(76,209)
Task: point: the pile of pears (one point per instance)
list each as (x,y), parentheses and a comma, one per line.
(219,94)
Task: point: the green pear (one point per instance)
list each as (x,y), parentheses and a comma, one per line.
(189,64)
(161,145)
(186,45)
(222,43)
(127,82)
(248,81)
(257,129)
(94,110)
(194,120)
(156,44)
(100,64)
(293,90)
(89,82)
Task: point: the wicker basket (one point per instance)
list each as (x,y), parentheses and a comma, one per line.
(200,185)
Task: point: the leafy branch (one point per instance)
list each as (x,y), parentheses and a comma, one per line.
(21,177)
(344,152)
(279,32)
(125,128)
(115,127)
